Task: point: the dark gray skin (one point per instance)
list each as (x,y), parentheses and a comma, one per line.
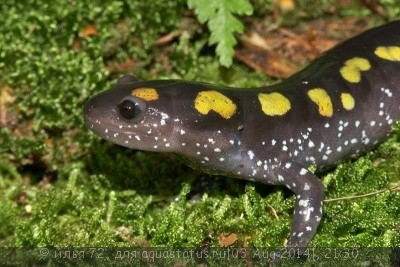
(251,145)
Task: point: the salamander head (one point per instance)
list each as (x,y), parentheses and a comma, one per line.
(133,115)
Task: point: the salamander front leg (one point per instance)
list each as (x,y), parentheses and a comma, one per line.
(308,207)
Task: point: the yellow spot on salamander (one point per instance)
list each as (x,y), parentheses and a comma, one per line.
(320,97)
(274,104)
(147,94)
(347,101)
(214,100)
(351,71)
(391,53)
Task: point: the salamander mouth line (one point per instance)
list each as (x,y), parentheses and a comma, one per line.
(113,132)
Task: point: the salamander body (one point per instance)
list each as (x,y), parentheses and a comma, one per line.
(339,106)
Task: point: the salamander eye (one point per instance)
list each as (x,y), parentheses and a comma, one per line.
(130,107)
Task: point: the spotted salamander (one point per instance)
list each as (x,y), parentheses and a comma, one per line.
(340,105)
